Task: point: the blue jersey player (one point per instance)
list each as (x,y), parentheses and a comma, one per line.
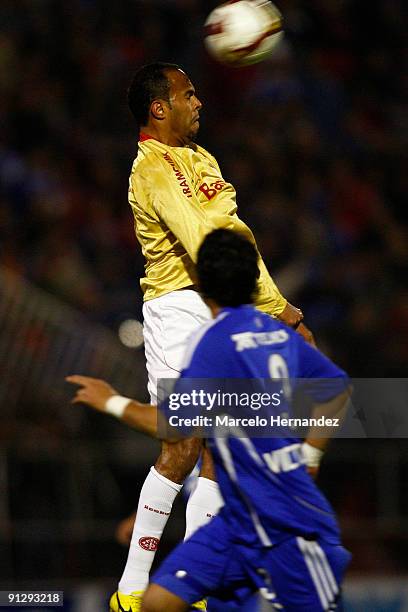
(276,533)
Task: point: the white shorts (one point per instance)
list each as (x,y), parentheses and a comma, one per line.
(169,320)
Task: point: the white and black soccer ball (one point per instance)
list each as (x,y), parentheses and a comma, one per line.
(243,32)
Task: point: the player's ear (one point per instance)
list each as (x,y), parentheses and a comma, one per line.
(158,109)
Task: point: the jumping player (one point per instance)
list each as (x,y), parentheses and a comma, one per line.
(177,195)
(276,532)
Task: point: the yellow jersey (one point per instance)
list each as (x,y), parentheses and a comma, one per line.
(178,196)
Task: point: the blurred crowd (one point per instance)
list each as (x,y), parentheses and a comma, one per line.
(314,141)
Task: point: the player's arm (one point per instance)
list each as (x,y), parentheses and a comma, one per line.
(330,389)
(291,315)
(146,418)
(318,438)
(99,395)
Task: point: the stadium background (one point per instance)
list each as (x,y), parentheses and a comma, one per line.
(314,140)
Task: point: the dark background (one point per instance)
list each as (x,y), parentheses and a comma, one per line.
(314,140)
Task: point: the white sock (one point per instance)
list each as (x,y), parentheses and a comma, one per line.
(203,504)
(155,503)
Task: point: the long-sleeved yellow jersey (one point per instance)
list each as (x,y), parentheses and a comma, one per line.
(178,196)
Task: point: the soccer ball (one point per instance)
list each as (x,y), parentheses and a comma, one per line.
(243,32)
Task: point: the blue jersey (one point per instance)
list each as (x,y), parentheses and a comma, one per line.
(268,494)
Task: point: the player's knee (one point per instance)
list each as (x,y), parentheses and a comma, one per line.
(190,450)
(157,599)
(150,602)
(177,459)
(207,465)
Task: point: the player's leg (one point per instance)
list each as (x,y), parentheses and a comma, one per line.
(326,565)
(157,599)
(299,574)
(168,323)
(205,500)
(155,503)
(156,499)
(205,564)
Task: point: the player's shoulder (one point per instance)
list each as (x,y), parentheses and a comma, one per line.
(144,164)
(150,165)
(193,153)
(205,153)
(217,336)
(248,316)
(148,153)
(199,149)
(251,328)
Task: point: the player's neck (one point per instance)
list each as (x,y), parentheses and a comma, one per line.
(215,309)
(163,135)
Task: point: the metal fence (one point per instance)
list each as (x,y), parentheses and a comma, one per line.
(60,466)
(42,340)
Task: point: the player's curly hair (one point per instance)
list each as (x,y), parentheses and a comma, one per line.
(227,268)
(149,83)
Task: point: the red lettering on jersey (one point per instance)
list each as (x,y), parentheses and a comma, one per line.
(211,190)
(179,175)
(209,193)
(218,185)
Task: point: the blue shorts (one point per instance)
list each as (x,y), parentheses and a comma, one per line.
(296,575)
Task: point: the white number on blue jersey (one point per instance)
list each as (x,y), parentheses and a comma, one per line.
(278,370)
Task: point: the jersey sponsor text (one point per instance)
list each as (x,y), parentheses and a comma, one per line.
(251,340)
